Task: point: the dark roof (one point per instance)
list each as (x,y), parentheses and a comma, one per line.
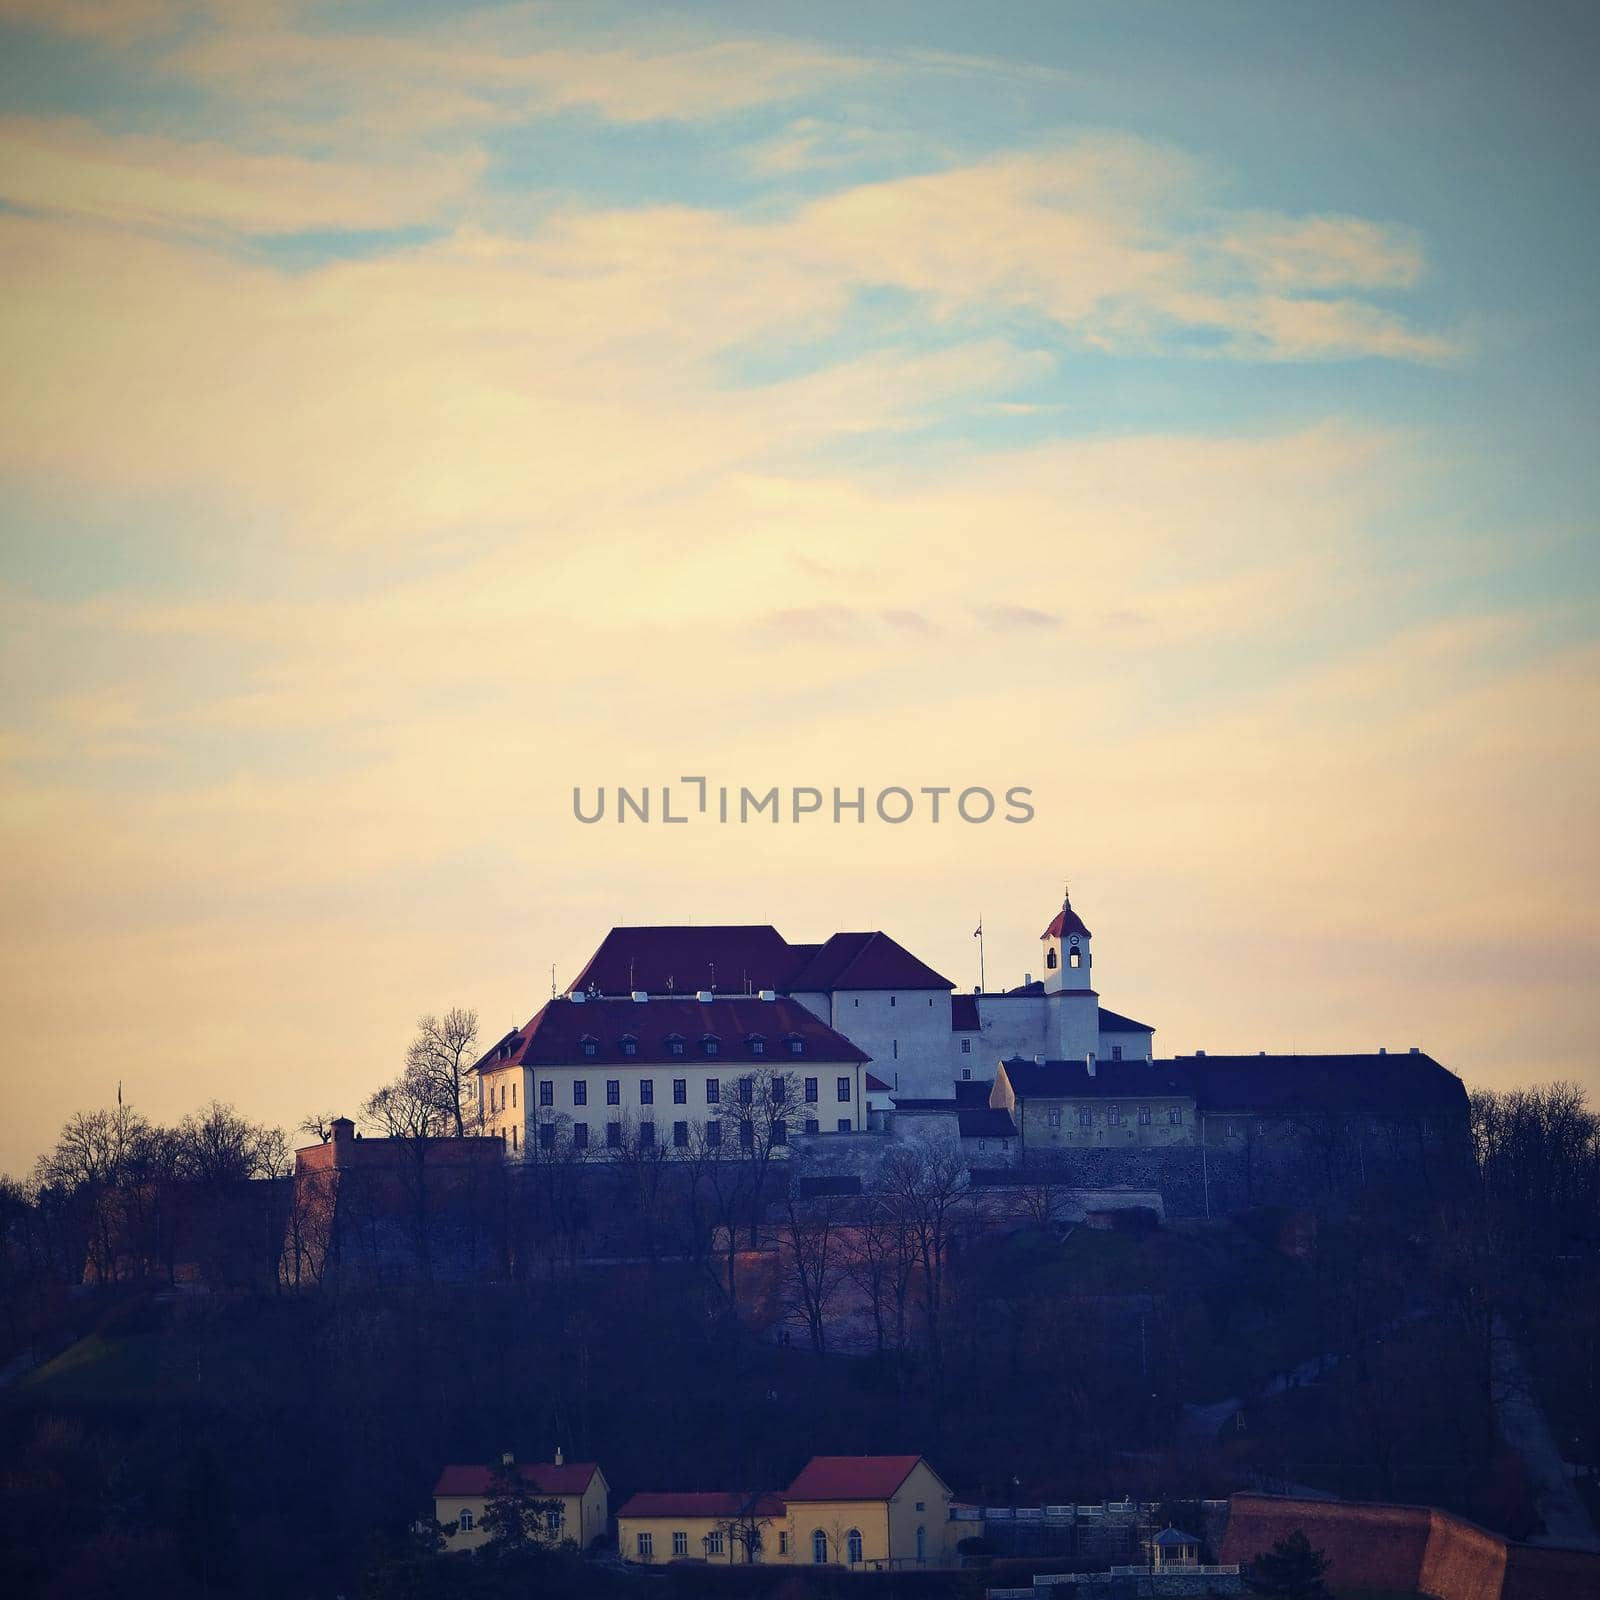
(851,1477)
(972,1092)
(911,1103)
(715,1503)
(1112,1079)
(986,1122)
(730,959)
(572,1477)
(1351,1083)
(863,961)
(555,1034)
(1065,923)
(1115,1022)
(1175,1536)
(1255,1083)
(964,1013)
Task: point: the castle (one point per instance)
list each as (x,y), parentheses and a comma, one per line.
(700,1039)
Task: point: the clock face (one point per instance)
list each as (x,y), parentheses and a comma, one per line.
(1074,938)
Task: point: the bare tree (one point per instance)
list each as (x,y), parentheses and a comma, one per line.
(815,1261)
(441,1056)
(217,1146)
(319,1125)
(745,1531)
(756,1117)
(409,1112)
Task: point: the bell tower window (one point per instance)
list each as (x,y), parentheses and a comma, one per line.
(1050,959)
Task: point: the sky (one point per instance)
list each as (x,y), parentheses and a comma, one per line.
(410,413)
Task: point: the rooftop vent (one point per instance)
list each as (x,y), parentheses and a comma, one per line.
(1202,1052)
(702,994)
(577,997)
(1383,1049)
(640,996)
(1416,1050)
(769,994)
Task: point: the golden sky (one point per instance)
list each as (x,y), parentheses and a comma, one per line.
(410,414)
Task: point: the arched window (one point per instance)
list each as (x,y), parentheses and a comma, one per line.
(1075,959)
(465,1521)
(922,1543)
(819,1547)
(1050,959)
(854,1538)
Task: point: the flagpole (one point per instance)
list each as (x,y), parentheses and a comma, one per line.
(978,935)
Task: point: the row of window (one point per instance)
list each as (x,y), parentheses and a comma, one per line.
(715,1546)
(1114,1116)
(708,1044)
(552,1520)
(745,1089)
(645,1134)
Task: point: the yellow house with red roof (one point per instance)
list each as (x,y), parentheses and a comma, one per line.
(870,1513)
(577,1490)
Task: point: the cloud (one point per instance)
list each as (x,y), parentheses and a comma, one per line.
(66,167)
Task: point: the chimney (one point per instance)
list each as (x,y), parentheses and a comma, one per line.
(1383,1049)
(507,1459)
(703,995)
(1415,1050)
(560,1459)
(769,994)
(1027,978)
(640,996)
(1200,1054)
(1038,1060)
(1088,1063)
(577,997)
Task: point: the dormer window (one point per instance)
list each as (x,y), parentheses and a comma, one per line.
(710,1044)
(630,1045)
(674,1044)
(758,1045)
(588,1044)
(797,1045)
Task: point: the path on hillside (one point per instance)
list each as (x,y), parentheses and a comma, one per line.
(1526,1430)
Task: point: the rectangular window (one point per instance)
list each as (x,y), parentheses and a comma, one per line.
(712,1046)
(630,1047)
(680,1543)
(613,1091)
(894,1049)
(758,1047)
(747,1091)
(1114,1116)
(647,1545)
(1175,1115)
(547,1092)
(1053,1116)
(844,1124)
(778,1089)
(513,1136)
(547,1136)
(783,1543)
(680,1091)
(680,1135)
(580,1135)
(812,1125)
(647,1091)
(780,1132)
(513,1094)
(1086,1119)
(1144,1116)
(714,1544)
(647,1135)
(811,1091)
(552,1521)
(966,1047)
(580,1092)
(797,1047)
(891,999)
(1116,1052)
(675,1047)
(613,1136)
(713,1091)
(844,1090)
(747,1135)
(714,1134)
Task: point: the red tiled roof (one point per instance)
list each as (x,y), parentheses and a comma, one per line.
(851,1477)
(555,1034)
(1065,923)
(712,1503)
(864,961)
(876,1085)
(682,959)
(571,1477)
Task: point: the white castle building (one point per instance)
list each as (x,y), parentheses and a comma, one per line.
(666,1028)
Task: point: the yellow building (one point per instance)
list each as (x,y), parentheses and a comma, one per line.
(866,1512)
(578,1488)
(869,1512)
(720,1526)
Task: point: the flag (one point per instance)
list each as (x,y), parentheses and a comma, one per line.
(977,933)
